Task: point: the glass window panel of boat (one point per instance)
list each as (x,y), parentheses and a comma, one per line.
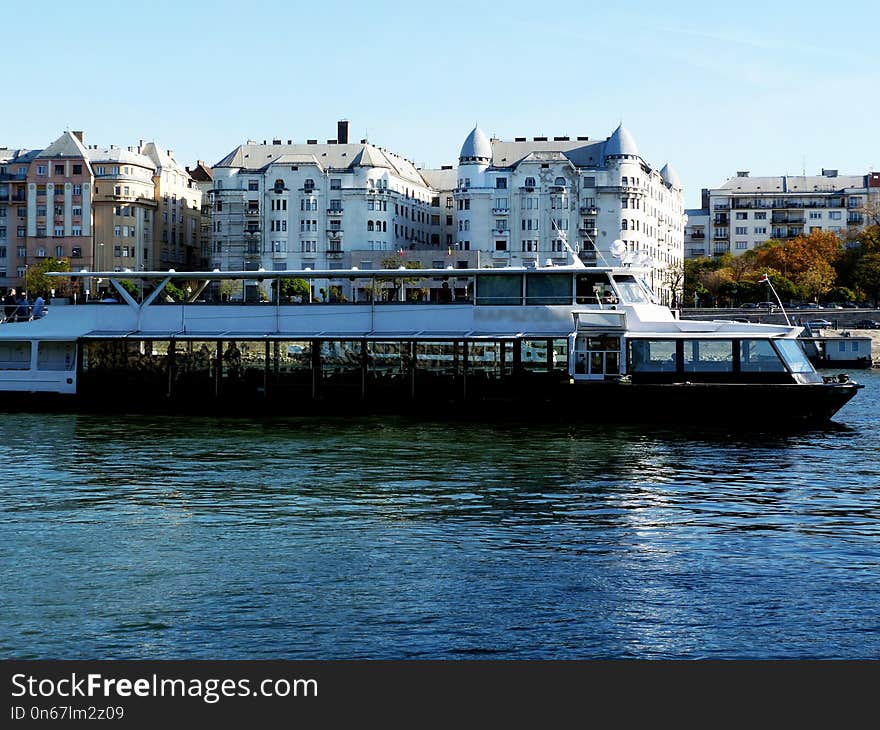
(340,356)
(630,290)
(593,288)
(15,355)
(793,355)
(652,356)
(155,355)
(388,358)
(56,355)
(440,357)
(548,288)
(499,289)
(484,357)
(104,355)
(758,356)
(533,356)
(196,356)
(294,355)
(708,356)
(253,355)
(603,342)
(560,355)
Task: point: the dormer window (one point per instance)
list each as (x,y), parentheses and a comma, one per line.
(559,182)
(530,182)
(308,185)
(279,185)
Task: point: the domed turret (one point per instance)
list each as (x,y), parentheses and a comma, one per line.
(670,176)
(621,144)
(476,148)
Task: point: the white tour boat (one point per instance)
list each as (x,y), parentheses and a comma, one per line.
(546,343)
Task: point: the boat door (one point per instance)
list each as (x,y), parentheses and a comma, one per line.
(596,356)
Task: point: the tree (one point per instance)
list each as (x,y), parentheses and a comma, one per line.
(37,284)
(672,278)
(296,288)
(868,275)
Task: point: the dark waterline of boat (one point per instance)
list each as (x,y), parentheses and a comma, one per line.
(161,537)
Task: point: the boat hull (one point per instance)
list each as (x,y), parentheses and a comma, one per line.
(706,404)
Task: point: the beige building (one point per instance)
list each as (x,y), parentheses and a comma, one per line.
(177,227)
(124,208)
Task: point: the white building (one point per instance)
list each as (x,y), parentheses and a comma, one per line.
(335,205)
(522,200)
(746,211)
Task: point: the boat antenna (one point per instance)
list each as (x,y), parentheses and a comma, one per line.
(766,280)
(575,259)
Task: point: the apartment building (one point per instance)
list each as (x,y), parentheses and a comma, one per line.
(530,201)
(746,211)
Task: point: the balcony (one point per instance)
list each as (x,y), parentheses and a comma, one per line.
(696,252)
(500,231)
(855,220)
(721,220)
(589,210)
(501,254)
(721,206)
(252,212)
(279,255)
(334,254)
(334,232)
(698,234)
(721,235)
(309,254)
(500,211)
(592,232)
(334,211)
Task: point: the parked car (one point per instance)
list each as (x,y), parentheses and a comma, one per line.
(817,324)
(850,305)
(749,305)
(832,305)
(809,305)
(767,305)
(867,324)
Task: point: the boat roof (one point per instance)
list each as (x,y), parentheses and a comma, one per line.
(353,273)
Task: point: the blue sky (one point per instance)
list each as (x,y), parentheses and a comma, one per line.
(773,88)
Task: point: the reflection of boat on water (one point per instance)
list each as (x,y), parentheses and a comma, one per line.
(546,343)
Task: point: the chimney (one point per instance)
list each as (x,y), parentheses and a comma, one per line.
(742,173)
(276,141)
(290,141)
(79,136)
(311,141)
(519,139)
(829,173)
(171,153)
(539,139)
(343,127)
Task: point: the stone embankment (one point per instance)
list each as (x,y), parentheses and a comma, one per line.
(843,320)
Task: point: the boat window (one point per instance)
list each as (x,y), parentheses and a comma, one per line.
(548,289)
(55,356)
(594,288)
(438,357)
(294,356)
(794,356)
(500,289)
(15,355)
(708,356)
(630,291)
(758,356)
(652,356)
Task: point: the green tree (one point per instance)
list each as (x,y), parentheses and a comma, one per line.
(868,275)
(37,284)
(295,288)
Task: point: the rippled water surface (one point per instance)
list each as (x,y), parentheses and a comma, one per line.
(145,537)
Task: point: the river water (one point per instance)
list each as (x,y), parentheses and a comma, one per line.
(184,538)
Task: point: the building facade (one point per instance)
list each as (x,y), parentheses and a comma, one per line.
(746,211)
(528,202)
(337,205)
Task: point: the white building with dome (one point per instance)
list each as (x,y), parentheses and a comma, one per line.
(293,206)
(521,201)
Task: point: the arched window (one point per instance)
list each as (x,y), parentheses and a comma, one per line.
(369,225)
(467,225)
(560,182)
(378,225)
(530,182)
(384,227)
(308,185)
(623,225)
